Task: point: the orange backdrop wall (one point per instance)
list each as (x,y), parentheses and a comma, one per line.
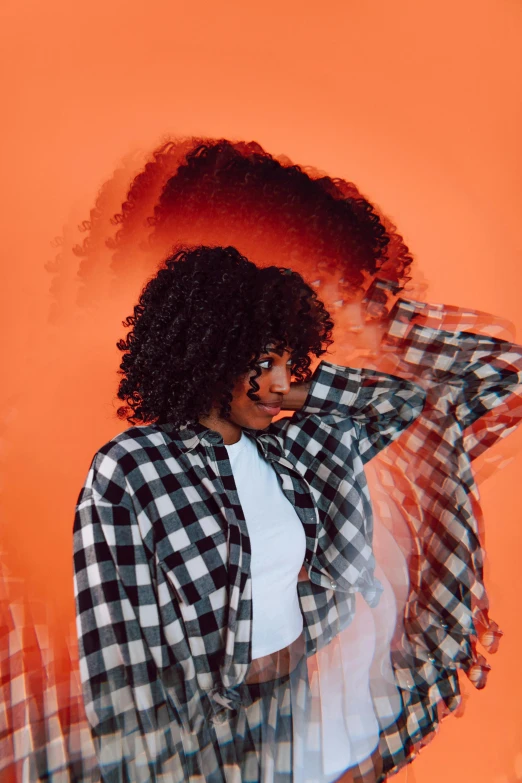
(417,102)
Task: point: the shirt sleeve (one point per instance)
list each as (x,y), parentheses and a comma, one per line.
(117,623)
(485,369)
(473,380)
(378,405)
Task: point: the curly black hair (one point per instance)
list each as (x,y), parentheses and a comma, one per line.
(202,322)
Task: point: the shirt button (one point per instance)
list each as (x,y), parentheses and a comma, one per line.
(431,658)
(219,718)
(333,585)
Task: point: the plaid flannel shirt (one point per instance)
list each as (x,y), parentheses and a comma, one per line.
(474,398)
(162,554)
(162,551)
(473,384)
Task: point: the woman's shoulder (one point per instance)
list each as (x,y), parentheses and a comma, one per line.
(135,446)
(123,465)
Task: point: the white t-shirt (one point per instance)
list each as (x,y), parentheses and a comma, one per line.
(278,549)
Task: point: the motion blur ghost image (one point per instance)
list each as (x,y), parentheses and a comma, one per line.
(380,465)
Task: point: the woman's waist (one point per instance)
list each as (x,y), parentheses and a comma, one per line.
(277,664)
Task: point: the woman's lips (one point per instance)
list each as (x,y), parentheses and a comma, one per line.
(272,410)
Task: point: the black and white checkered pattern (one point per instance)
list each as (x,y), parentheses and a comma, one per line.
(162,551)
(44,735)
(162,554)
(473,385)
(162,568)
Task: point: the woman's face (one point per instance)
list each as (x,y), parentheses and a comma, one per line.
(274,383)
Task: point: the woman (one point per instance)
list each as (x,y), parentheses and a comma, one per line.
(377,680)
(221,556)
(215,550)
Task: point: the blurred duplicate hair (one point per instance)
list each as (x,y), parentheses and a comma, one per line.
(221,193)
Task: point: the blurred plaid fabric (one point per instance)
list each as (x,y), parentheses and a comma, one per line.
(162,570)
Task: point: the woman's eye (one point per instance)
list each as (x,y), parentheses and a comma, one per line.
(270,362)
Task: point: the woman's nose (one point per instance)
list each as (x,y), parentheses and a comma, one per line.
(280,380)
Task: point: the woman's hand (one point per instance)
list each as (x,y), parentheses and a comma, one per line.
(295,399)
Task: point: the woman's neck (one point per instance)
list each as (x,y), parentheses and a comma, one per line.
(231,432)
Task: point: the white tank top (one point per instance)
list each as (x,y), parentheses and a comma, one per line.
(278,547)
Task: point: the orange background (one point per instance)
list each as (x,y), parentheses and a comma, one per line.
(417,102)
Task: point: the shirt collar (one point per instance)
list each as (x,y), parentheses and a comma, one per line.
(187,437)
